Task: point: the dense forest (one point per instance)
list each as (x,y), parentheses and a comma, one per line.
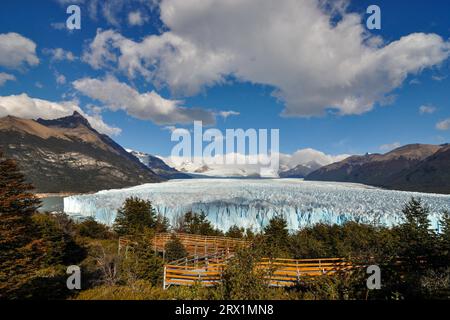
(36,249)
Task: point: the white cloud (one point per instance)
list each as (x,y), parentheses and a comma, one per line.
(443,125)
(313,63)
(438,77)
(226,114)
(24,106)
(6,77)
(170,128)
(112,10)
(390,146)
(145,106)
(305,156)
(137,18)
(427,109)
(218,168)
(16,51)
(59,54)
(60,79)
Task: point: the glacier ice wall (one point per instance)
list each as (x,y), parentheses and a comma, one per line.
(252,203)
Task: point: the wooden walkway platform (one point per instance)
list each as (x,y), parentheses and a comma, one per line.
(278,272)
(208,257)
(196,245)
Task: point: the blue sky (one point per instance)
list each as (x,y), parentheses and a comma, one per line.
(232,85)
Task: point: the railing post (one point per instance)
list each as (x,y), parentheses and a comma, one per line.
(320,267)
(164,278)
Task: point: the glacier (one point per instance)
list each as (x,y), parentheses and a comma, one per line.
(251,203)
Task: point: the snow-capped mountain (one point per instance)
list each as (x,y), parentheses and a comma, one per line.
(199,168)
(158,166)
(296,165)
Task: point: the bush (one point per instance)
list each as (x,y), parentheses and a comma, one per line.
(241,279)
(174,249)
(92,229)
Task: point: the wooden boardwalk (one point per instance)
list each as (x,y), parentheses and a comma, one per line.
(195,245)
(277,272)
(208,257)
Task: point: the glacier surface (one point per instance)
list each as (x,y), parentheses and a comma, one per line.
(252,203)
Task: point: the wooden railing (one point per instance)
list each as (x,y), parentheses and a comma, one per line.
(208,257)
(206,276)
(277,272)
(195,245)
(288,272)
(199,245)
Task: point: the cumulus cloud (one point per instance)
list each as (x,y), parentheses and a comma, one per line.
(6,77)
(59,54)
(145,106)
(427,109)
(243,166)
(226,114)
(316,55)
(24,106)
(16,51)
(443,125)
(137,18)
(390,146)
(112,10)
(60,79)
(308,155)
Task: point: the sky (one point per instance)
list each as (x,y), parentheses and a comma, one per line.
(137,69)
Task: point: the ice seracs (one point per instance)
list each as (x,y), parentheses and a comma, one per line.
(252,203)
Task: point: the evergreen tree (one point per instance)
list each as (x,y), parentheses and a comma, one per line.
(277,237)
(19,247)
(416,249)
(162,224)
(416,237)
(174,249)
(242,279)
(142,263)
(135,216)
(195,223)
(445,235)
(92,229)
(235,232)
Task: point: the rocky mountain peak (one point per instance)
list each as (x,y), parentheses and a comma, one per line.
(73,121)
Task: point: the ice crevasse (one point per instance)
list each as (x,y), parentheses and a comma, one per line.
(252,203)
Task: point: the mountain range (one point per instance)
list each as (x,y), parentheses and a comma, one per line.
(414,167)
(158,166)
(68,155)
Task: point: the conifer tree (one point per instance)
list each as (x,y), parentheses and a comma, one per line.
(142,263)
(235,232)
(135,216)
(277,237)
(417,238)
(19,248)
(445,234)
(174,249)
